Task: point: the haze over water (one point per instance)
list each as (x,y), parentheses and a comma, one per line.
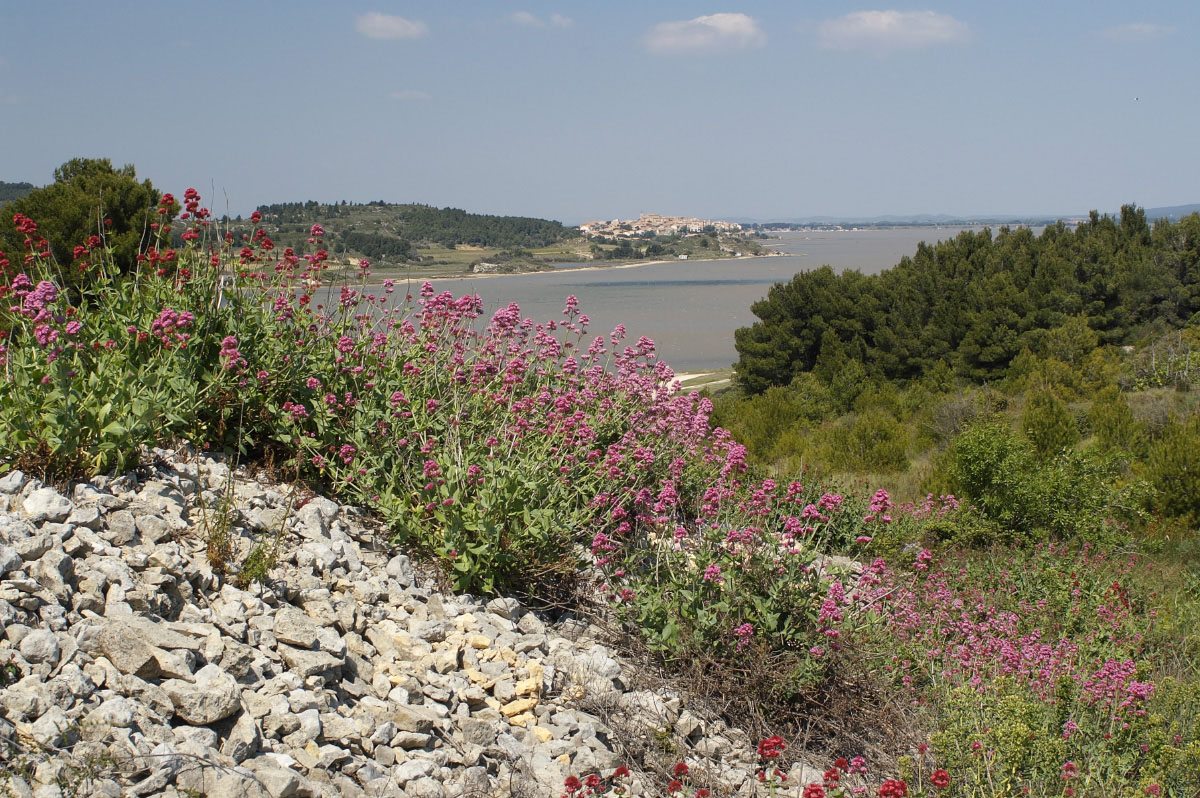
(691,308)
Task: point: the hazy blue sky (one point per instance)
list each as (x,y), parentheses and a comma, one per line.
(592,110)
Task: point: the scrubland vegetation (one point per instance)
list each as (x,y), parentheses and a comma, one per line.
(1030,627)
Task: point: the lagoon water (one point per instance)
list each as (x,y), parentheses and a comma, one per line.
(691,308)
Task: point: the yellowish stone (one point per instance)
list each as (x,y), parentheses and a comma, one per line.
(543,734)
(478,641)
(465,622)
(528,687)
(524,720)
(518,706)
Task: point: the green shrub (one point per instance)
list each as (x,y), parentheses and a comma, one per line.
(873,441)
(1068,495)
(1173,468)
(1112,421)
(1048,423)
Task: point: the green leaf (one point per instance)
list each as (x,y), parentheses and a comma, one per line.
(114,428)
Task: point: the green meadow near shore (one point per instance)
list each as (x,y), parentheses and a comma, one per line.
(938,530)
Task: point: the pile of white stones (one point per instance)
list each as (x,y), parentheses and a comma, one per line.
(130,668)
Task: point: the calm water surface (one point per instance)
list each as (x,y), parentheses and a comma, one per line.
(691,308)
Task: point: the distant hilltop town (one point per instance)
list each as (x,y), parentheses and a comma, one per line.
(656,225)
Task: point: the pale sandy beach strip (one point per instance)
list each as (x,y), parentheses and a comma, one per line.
(632,265)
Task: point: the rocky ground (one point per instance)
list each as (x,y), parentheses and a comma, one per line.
(131,668)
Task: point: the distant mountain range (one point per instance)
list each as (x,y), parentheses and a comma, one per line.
(1172,211)
(1168,212)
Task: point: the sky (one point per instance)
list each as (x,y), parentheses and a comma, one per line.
(598,110)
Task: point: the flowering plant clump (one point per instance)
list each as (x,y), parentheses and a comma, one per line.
(1036,659)
(497,446)
(741,566)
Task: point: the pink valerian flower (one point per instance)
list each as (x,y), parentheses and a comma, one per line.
(743,633)
(880,504)
(37,299)
(45,335)
(346,453)
(297,412)
(601,542)
(73,327)
(230,356)
(713,574)
(830,502)
(924,558)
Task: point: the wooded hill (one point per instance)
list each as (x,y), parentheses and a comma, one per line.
(381,231)
(977,301)
(12,191)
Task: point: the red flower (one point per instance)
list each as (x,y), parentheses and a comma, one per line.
(893,788)
(681,770)
(814,791)
(592,781)
(841,763)
(771,747)
(572,784)
(940,779)
(675,786)
(255,217)
(702,793)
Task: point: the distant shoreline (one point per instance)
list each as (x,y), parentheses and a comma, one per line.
(390,274)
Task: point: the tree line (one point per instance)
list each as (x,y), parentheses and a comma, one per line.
(977,301)
(423,223)
(12,191)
